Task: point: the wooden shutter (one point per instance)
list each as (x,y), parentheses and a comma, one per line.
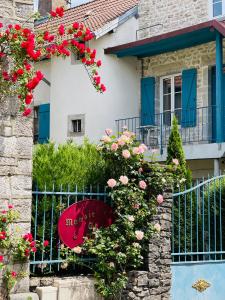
(189,98)
(44,123)
(147,101)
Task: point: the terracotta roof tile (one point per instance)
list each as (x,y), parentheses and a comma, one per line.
(100,13)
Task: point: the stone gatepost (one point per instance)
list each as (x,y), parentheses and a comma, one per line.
(16,141)
(155,282)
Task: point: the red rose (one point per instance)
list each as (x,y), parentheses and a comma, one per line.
(1,258)
(10,206)
(99,63)
(33,244)
(14,274)
(17,27)
(75,25)
(61,30)
(53,14)
(20,72)
(27,252)
(1,25)
(28,98)
(27,112)
(46,243)
(34,249)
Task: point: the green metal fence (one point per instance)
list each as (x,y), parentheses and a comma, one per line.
(198,222)
(47,207)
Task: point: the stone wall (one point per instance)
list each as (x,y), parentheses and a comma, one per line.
(155,283)
(161,16)
(16,141)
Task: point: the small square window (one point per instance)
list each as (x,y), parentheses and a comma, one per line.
(76,125)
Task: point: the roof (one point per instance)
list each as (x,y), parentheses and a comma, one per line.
(172,41)
(94,14)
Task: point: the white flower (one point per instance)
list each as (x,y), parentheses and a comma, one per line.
(136,245)
(163,180)
(112,265)
(130,218)
(64,265)
(77,250)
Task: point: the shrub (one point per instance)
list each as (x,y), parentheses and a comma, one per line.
(67,164)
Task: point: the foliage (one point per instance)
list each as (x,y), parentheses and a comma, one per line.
(136,188)
(67,164)
(22,47)
(176,156)
(14,248)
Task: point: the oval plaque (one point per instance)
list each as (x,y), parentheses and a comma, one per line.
(77,221)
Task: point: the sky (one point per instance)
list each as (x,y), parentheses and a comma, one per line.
(74,2)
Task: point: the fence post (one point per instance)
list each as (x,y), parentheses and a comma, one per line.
(155,283)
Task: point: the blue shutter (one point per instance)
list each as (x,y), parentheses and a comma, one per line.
(148,101)
(189,98)
(44,123)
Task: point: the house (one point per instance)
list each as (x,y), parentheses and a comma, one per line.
(66,104)
(181,72)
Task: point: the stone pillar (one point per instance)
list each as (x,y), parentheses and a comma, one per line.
(155,282)
(16,141)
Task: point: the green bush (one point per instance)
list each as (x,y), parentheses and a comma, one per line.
(67,164)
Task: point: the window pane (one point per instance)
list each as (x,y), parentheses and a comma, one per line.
(166,86)
(178,84)
(217,8)
(167,102)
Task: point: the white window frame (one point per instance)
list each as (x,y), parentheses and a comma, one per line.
(172,76)
(211,10)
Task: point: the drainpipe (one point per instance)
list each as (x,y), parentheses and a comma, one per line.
(219,83)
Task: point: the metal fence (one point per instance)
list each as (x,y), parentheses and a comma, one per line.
(47,207)
(198,222)
(196,126)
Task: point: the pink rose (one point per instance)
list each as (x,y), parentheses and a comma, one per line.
(114,147)
(176,161)
(77,250)
(108,131)
(140,170)
(136,206)
(160,199)
(142,148)
(130,218)
(111,183)
(139,235)
(126,154)
(106,139)
(121,142)
(124,180)
(142,185)
(136,150)
(129,134)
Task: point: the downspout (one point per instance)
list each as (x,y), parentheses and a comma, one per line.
(219,84)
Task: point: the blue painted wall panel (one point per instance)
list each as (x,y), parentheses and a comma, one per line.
(184,276)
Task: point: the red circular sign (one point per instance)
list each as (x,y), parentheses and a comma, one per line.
(80,218)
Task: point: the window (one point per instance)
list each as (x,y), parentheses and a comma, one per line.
(76,125)
(217,8)
(171,95)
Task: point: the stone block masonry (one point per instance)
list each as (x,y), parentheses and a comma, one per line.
(155,282)
(161,16)
(16,142)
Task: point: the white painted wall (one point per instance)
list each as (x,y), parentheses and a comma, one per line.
(42,92)
(72,92)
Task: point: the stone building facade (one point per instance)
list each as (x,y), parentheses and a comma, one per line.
(16,140)
(160,16)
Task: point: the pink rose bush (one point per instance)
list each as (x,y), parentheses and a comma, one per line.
(135,188)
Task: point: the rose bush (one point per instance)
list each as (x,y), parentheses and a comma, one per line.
(136,188)
(14,247)
(20,47)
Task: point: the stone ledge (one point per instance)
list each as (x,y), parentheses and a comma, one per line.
(24,296)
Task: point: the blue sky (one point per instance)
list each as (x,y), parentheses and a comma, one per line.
(74,2)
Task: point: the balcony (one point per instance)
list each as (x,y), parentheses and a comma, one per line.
(196,127)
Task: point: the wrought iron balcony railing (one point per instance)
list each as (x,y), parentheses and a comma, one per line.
(196,126)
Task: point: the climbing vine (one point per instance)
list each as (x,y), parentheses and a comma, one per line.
(136,188)
(20,48)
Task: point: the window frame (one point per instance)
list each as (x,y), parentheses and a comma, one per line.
(71,118)
(211,10)
(172,77)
